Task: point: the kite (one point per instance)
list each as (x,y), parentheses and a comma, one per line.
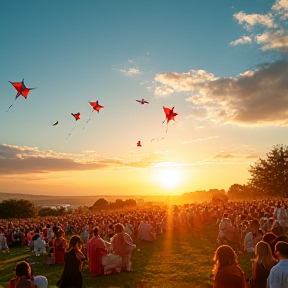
(96,107)
(139,144)
(77,116)
(56,123)
(21,90)
(170,114)
(142,101)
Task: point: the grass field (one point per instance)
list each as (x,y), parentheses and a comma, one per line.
(176,259)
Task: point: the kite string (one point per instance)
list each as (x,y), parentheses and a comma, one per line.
(88,120)
(161,138)
(9,107)
(70,132)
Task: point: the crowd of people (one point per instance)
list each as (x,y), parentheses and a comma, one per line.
(106,240)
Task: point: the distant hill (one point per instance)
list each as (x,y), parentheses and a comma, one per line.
(197,196)
(75,200)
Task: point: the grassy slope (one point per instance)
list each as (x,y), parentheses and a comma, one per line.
(174,260)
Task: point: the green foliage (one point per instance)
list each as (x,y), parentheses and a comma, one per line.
(270,176)
(17,209)
(243,192)
(102,204)
(47,211)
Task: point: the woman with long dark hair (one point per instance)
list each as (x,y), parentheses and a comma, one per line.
(73,259)
(25,278)
(227,272)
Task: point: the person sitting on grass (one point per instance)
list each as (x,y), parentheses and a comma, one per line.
(145,231)
(39,245)
(25,279)
(3,241)
(95,251)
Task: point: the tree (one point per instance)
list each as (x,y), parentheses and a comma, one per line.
(100,204)
(242,192)
(47,211)
(270,176)
(17,209)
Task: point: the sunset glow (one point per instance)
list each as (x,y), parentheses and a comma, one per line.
(170,178)
(212,66)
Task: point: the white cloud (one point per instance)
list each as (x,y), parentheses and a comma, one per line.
(258,97)
(163,90)
(26,160)
(250,20)
(180,82)
(130,71)
(268,30)
(242,40)
(281,7)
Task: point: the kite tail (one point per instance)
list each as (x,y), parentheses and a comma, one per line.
(88,120)
(70,133)
(9,107)
(158,138)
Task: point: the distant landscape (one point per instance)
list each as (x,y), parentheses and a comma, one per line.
(75,200)
(198,196)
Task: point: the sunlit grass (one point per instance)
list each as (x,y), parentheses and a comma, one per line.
(176,259)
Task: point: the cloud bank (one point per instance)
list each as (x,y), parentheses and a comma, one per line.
(254,97)
(25,160)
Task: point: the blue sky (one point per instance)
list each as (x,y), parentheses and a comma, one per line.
(187,54)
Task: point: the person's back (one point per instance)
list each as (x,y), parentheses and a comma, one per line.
(25,279)
(278,277)
(230,277)
(145,232)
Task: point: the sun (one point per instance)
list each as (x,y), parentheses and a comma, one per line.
(170,178)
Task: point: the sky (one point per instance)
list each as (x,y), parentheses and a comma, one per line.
(221,64)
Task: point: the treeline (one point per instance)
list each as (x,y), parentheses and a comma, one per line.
(102,204)
(13,208)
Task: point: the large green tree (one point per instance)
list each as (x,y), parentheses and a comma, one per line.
(17,209)
(270,175)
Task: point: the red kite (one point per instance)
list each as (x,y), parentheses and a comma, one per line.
(169,114)
(139,144)
(77,116)
(96,106)
(21,89)
(142,101)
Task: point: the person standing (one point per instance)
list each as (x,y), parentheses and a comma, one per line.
(227,272)
(278,277)
(261,265)
(60,245)
(73,259)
